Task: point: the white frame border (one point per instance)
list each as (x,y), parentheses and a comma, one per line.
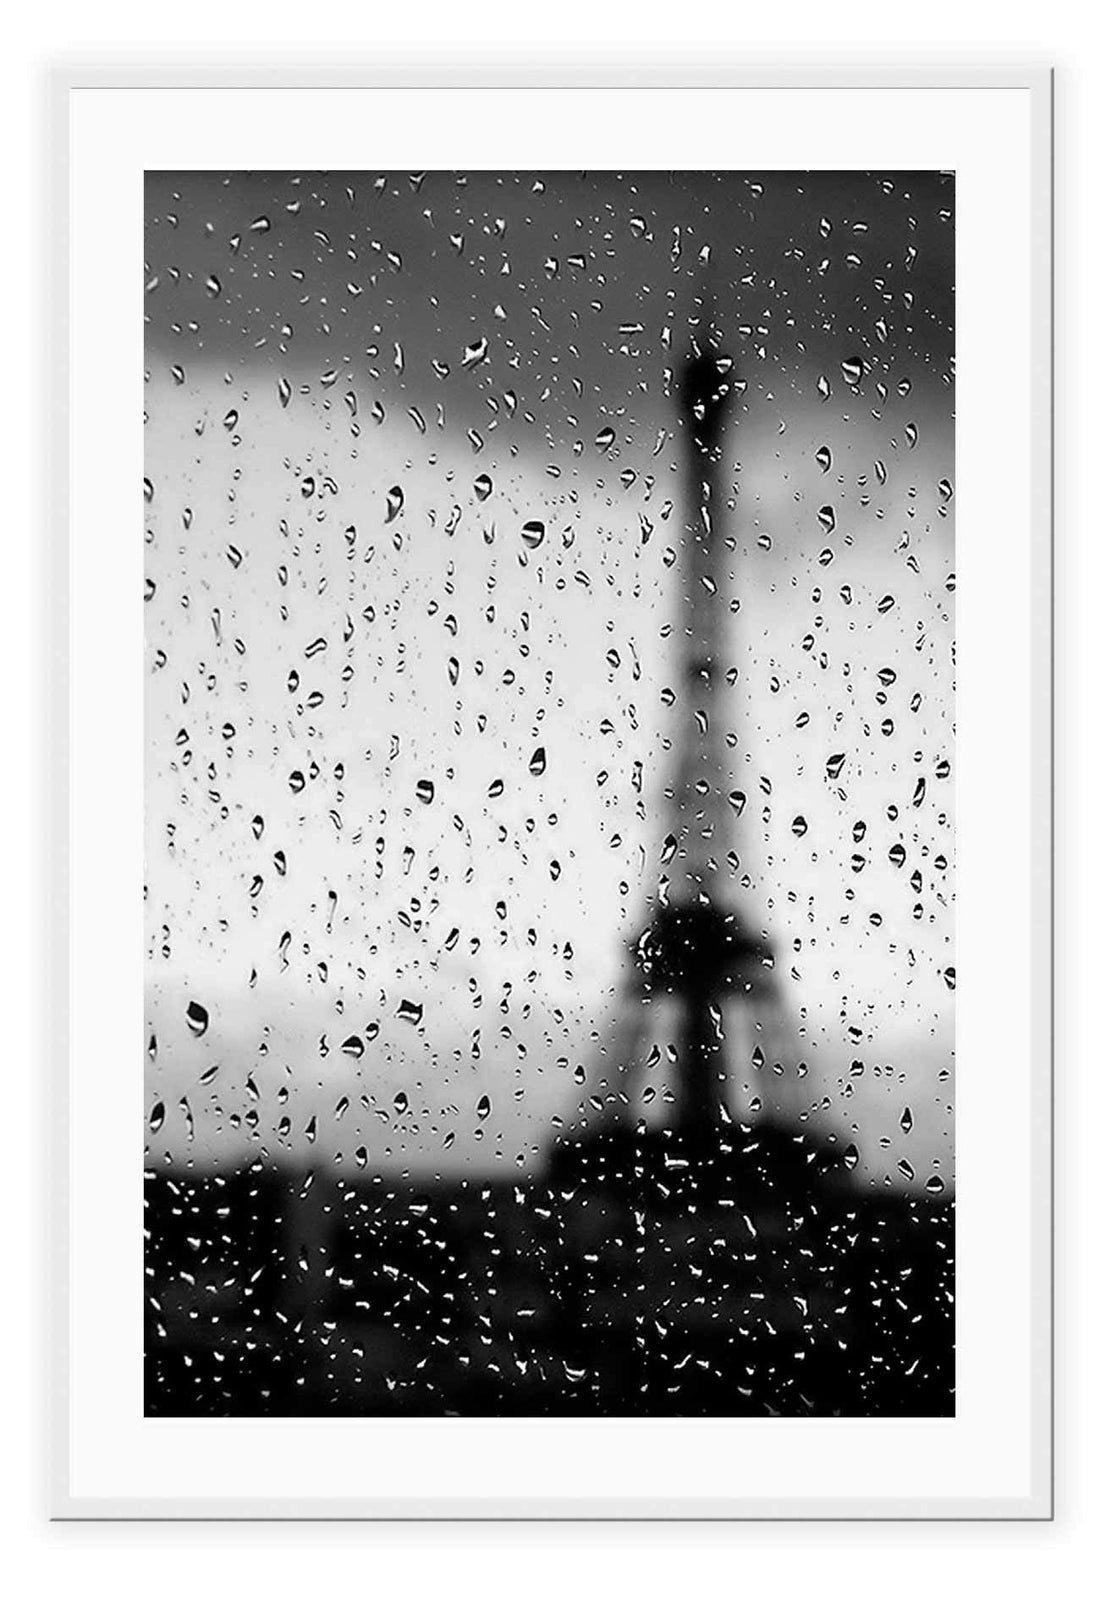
(63,80)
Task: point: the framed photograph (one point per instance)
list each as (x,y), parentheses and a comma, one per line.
(555,779)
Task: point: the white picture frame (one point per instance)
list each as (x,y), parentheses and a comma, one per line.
(994,1459)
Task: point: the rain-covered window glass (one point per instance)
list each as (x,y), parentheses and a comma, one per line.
(549,803)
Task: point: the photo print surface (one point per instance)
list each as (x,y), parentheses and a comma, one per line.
(549,712)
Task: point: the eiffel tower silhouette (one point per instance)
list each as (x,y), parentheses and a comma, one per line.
(698,949)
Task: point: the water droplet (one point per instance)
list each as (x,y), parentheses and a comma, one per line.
(395,501)
(198,1018)
(533,533)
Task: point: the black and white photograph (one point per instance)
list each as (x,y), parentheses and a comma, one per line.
(549,768)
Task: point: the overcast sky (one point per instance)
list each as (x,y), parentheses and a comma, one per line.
(413,520)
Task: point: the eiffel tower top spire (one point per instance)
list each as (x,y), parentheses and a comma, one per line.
(706,390)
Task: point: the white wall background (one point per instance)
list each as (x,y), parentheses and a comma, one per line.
(951,1563)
